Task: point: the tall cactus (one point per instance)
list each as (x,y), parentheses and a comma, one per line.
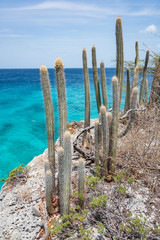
(96,144)
(137,55)
(49,118)
(119,56)
(143,82)
(81,180)
(95,78)
(67,173)
(105,138)
(146,93)
(103,84)
(113,138)
(128,87)
(47,165)
(61,98)
(49,191)
(61,171)
(87,89)
(134,102)
(135,77)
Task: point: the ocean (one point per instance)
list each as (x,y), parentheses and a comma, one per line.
(22,116)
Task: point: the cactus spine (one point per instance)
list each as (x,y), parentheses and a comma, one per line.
(128,87)
(143,82)
(87,89)
(67,173)
(103,84)
(119,56)
(113,138)
(95,78)
(96,144)
(81,180)
(105,138)
(61,171)
(61,98)
(48,191)
(49,118)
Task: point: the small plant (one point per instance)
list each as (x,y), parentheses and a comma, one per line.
(76,217)
(101,227)
(92,181)
(99,202)
(136,225)
(121,189)
(16,174)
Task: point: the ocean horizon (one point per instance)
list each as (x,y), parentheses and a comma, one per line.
(22,123)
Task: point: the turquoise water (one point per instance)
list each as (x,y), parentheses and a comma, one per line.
(22,118)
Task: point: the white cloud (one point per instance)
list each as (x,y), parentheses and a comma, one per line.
(150,29)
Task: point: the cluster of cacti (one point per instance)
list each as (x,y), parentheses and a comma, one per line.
(106,127)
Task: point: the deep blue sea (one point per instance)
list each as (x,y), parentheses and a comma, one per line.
(22,117)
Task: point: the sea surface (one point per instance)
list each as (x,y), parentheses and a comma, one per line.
(22,116)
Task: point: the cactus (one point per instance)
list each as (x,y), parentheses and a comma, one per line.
(49,118)
(46,165)
(119,56)
(87,89)
(113,138)
(81,180)
(109,119)
(61,98)
(137,55)
(134,101)
(146,93)
(128,86)
(96,144)
(49,191)
(103,84)
(135,77)
(61,171)
(143,82)
(105,138)
(67,173)
(95,78)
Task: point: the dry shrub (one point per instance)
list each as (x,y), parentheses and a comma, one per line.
(139,150)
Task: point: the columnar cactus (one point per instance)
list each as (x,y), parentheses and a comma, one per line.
(146,93)
(47,165)
(61,98)
(81,180)
(49,118)
(119,56)
(128,87)
(137,55)
(109,119)
(134,102)
(143,82)
(103,84)
(49,191)
(87,89)
(96,144)
(113,138)
(135,77)
(61,171)
(67,173)
(105,138)
(95,78)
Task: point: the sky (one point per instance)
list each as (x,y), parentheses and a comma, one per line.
(36,32)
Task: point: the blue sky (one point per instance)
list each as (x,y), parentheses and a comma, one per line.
(36,32)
